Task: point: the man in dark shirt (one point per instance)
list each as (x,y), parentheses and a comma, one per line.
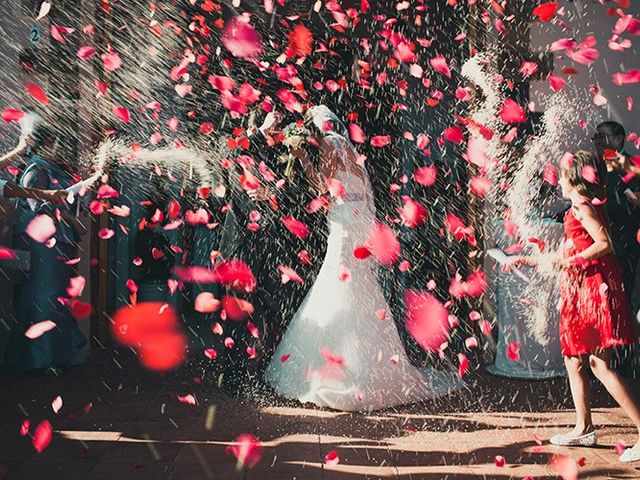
(623,199)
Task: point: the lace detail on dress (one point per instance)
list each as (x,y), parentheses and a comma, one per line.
(353,177)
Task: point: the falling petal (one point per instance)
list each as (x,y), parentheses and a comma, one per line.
(332,458)
(565,466)
(426,320)
(41,228)
(205,302)
(40,328)
(546,11)
(56,404)
(42,436)
(247,449)
(45,8)
(241,39)
(36,92)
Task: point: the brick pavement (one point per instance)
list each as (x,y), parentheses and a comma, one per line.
(137,429)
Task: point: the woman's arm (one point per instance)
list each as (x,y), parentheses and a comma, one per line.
(597,231)
(11,190)
(516,261)
(9,157)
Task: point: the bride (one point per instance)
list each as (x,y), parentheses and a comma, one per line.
(336,353)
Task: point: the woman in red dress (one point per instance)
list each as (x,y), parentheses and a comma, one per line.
(594,315)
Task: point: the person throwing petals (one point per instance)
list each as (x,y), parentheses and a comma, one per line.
(595,315)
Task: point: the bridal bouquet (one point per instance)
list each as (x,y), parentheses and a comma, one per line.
(295,136)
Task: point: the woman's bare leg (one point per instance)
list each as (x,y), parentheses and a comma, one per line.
(618,388)
(581,392)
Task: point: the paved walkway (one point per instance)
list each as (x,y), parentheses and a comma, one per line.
(135,428)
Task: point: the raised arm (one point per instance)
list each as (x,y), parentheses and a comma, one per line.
(11,190)
(10,157)
(258,141)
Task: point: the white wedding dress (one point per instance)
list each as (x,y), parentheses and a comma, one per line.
(336,352)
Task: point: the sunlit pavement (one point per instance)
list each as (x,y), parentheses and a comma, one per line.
(136,428)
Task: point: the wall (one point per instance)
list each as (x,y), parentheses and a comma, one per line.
(590,18)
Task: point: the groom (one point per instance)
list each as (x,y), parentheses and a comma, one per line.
(264,251)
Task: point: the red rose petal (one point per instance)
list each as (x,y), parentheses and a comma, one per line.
(248,450)
(289,274)
(412,214)
(111,61)
(301,40)
(439,63)
(332,458)
(205,302)
(40,328)
(241,39)
(12,115)
(41,228)
(237,309)
(513,351)
(36,92)
(80,310)
(546,11)
(356,133)
(427,320)
(42,436)
(511,112)
(383,244)
(85,52)
(380,140)
(566,467)
(122,114)
(7,253)
(426,176)
(296,227)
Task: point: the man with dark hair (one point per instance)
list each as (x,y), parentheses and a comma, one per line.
(623,199)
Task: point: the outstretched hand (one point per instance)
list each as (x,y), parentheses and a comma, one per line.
(55,197)
(259,195)
(618,164)
(271,122)
(518,261)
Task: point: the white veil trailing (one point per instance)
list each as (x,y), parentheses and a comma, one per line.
(338,136)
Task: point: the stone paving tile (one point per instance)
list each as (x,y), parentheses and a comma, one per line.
(510,471)
(347,472)
(141,453)
(303,471)
(37,470)
(128,471)
(436,473)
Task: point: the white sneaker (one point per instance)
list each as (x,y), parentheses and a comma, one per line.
(631,455)
(587,440)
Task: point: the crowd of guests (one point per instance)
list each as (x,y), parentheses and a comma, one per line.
(45,174)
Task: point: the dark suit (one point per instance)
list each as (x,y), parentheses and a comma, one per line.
(264,251)
(624,219)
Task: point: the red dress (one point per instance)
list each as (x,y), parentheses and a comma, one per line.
(594,313)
